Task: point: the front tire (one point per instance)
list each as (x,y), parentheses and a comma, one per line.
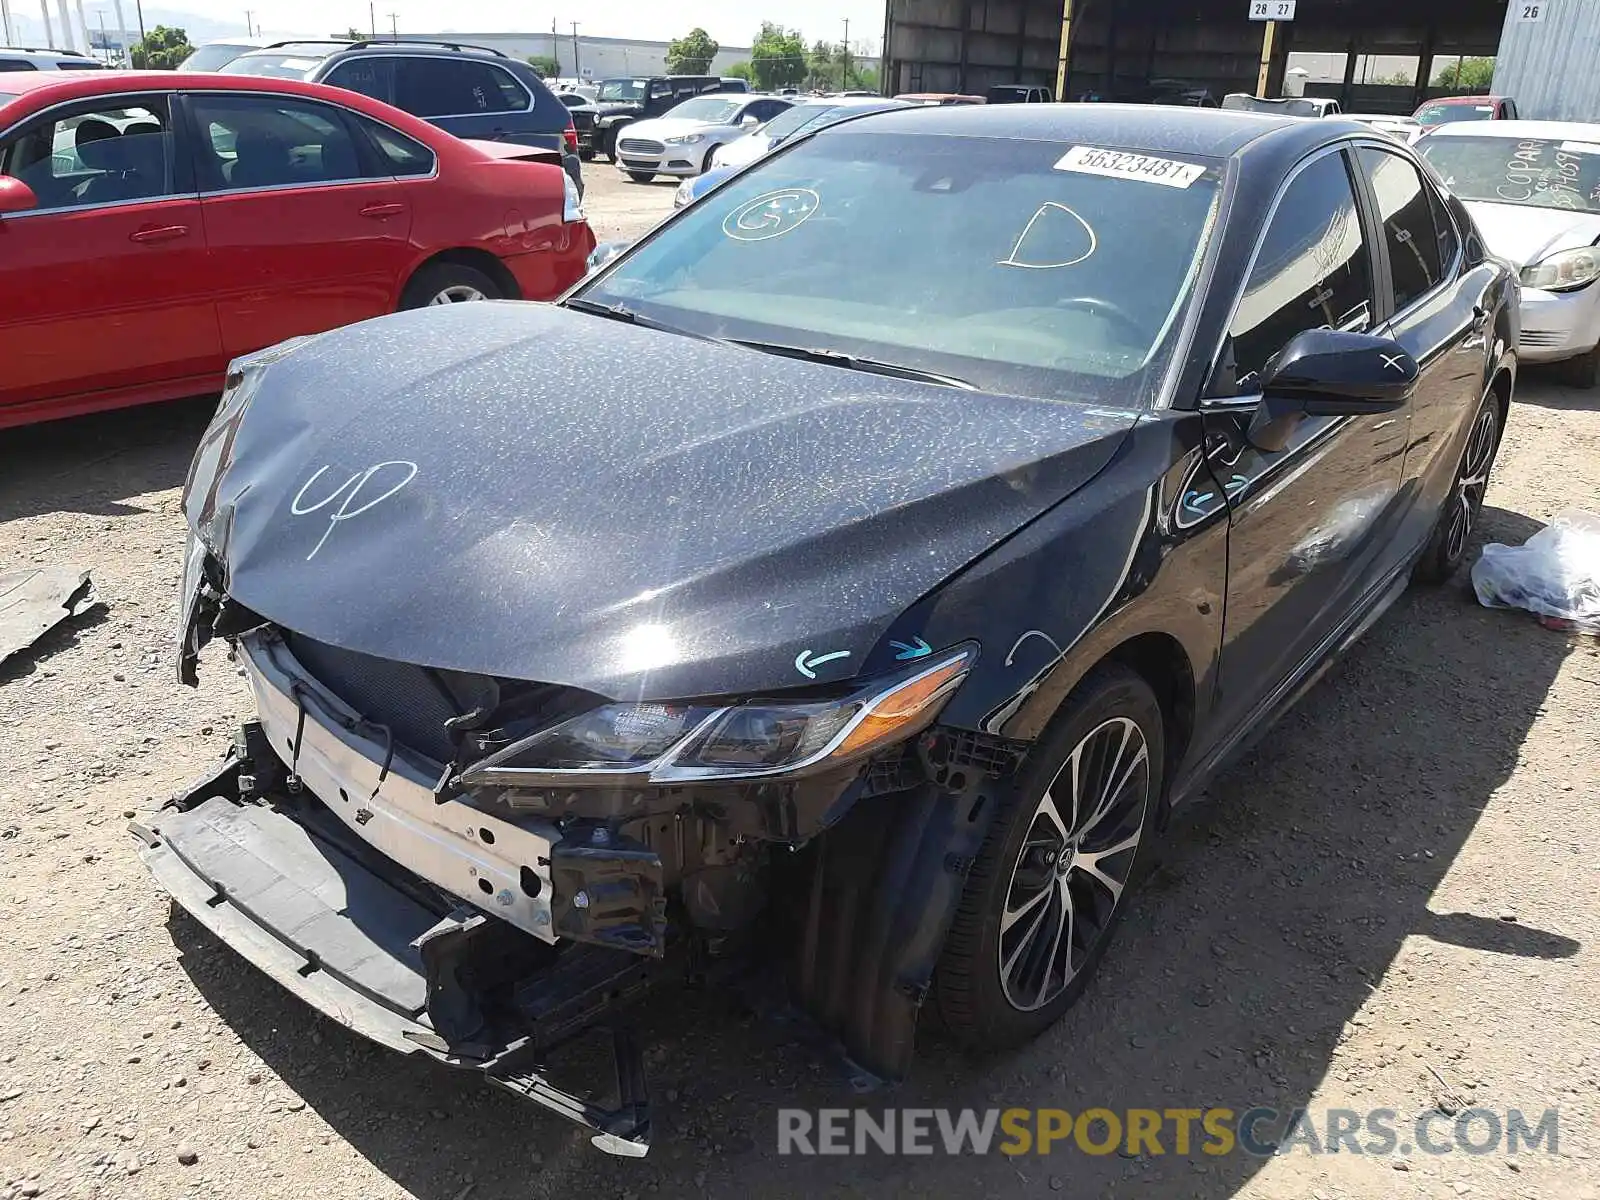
(1047,889)
(641,176)
(449,283)
(1448,545)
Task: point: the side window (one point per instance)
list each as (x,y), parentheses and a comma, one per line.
(765,110)
(1449,240)
(271,141)
(401,155)
(370,76)
(454,87)
(1311,272)
(1408,229)
(16,64)
(93,153)
(660,89)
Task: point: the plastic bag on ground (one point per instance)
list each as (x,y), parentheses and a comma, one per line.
(1555,573)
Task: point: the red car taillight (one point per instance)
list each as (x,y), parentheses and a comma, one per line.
(570,136)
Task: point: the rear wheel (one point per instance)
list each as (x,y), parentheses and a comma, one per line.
(1046,891)
(1583,371)
(641,176)
(1448,545)
(449,283)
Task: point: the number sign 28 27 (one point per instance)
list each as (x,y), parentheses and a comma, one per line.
(1275,10)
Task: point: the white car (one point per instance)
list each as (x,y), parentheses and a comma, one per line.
(1533,188)
(681,141)
(1402,129)
(22,58)
(807,116)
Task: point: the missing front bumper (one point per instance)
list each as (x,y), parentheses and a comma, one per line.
(391,958)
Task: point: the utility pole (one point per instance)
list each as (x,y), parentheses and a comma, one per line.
(372,18)
(394,26)
(138,7)
(577,68)
(844,61)
(249,29)
(5,19)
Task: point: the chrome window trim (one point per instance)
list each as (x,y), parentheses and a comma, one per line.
(109,204)
(344,108)
(167,93)
(1447,273)
(522,87)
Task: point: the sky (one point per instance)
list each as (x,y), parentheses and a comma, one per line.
(730,22)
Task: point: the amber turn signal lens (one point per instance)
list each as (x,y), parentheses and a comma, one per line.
(898,712)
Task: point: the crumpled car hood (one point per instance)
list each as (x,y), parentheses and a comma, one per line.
(525,491)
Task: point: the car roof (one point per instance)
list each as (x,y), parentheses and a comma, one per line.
(1462,100)
(1212,132)
(1578,131)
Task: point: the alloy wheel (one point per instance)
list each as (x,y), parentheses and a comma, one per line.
(1075,863)
(1471,482)
(458,293)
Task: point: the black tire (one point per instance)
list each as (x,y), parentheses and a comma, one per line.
(974,1002)
(706,166)
(608,144)
(642,176)
(1583,371)
(585,155)
(1452,536)
(439,279)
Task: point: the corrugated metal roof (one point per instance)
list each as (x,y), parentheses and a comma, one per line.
(1549,66)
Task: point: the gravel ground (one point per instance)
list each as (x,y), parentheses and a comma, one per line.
(1393,903)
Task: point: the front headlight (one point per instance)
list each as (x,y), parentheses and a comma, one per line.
(683,195)
(571,200)
(680,743)
(685,139)
(1564,271)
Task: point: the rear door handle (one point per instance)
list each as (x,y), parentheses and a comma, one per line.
(382,212)
(158,233)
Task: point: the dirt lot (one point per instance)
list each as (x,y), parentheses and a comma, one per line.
(1393,903)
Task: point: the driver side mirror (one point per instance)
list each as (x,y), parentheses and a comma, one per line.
(1329,373)
(748,121)
(16,196)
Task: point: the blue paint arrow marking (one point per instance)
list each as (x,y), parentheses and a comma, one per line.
(806,664)
(1193,500)
(909,651)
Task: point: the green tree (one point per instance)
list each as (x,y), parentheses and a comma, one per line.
(1467,75)
(351,34)
(1398,79)
(162,49)
(778,57)
(548,65)
(740,70)
(692,53)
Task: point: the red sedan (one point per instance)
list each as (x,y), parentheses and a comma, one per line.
(153,226)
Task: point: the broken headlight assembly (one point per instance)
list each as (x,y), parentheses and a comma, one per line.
(669,743)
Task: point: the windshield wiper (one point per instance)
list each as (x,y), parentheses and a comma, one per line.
(854,362)
(621,312)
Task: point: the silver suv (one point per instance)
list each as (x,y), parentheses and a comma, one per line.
(27,58)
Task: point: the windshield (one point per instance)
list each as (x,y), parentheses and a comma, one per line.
(1444,114)
(713,110)
(1537,172)
(1289,106)
(279,64)
(622,89)
(212,57)
(792,120)
(1028,267)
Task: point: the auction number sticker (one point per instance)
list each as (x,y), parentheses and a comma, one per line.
(1118,164)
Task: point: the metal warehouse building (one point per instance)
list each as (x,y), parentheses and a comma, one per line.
(1550,59)
(1116,49)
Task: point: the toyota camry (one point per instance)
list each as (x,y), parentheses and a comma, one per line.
(958,489)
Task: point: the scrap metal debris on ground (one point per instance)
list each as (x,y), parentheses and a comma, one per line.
(38,599)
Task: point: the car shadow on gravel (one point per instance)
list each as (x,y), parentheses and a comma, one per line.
(1544,387)
(92,464)
(1278,905)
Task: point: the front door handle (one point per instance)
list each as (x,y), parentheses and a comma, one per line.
(158,233)
(382,212)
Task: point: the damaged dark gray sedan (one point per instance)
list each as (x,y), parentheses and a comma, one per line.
(853,574)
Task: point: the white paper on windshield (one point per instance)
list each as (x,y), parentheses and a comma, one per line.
(299,64)
(1120,164)
(1581,147)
